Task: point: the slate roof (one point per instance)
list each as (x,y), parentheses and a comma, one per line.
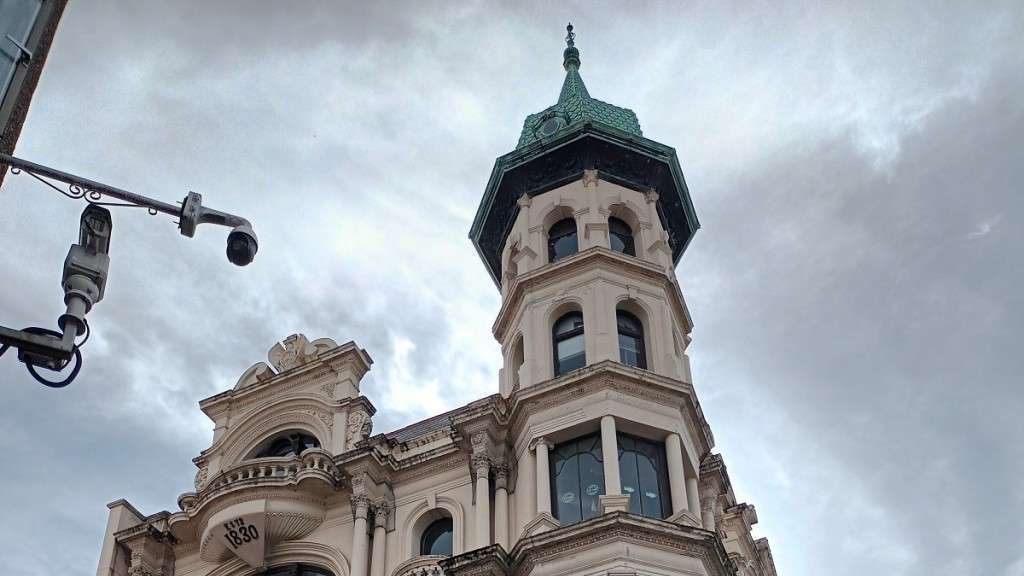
(575,104)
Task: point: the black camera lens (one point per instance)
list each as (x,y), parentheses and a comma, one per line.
(241,247)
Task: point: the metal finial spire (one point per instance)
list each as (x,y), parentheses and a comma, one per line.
(571,56)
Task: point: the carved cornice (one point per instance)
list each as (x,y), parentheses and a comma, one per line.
(620,526)
(597,257)
(613,376)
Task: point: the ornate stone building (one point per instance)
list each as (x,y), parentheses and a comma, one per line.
(594,457)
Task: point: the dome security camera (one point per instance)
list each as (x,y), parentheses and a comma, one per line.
(242,245)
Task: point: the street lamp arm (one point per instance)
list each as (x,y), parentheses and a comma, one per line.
(89,186)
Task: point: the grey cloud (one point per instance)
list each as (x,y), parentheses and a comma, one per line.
(854,344)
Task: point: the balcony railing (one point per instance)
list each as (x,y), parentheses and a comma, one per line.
(312,463)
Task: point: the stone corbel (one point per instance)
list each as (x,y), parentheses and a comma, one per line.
(151,553)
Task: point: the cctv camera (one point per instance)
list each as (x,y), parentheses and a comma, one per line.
(242,245)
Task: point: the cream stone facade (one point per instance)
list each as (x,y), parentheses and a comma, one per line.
(594,457)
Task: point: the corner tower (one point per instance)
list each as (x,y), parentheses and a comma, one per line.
(586,218)
(581,227)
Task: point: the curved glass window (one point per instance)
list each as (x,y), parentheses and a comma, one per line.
(297,570)
(562,240)
(577,479)
(644,475)
(287,444)
(620,236)
(567,335)
(631,340)
(437,538)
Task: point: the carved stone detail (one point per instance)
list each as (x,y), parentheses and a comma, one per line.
(359,426)
(360,505)
(201,477)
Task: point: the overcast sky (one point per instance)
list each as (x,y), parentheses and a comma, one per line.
(856,286)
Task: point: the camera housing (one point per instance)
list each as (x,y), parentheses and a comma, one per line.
(242,245)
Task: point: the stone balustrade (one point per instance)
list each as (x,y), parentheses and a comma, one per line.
(312,463)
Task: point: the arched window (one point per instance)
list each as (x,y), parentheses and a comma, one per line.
(577,479)
(286,444)
(567,335)
(297,570)
(631,340)
(620,236)
(644,476)
(437,538)
(562,239)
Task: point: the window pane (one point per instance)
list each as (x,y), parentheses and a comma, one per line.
(568,323)
(437,538)
(650,497)
(563,247)
(591,476)
(571,354)
(567,485)
(627,472)
(629,350)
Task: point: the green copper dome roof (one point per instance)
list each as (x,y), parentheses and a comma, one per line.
(575,104)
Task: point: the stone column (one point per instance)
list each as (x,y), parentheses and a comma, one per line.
(543,476)
(676,473)
(692,497)
(501,505)
(610,454)
(482,465)
(526,500)
(613,500)
(360,540)
(707,516)
(380,532)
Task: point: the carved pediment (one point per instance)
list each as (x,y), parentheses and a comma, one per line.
(297,350)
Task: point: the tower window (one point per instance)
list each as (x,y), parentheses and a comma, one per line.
(577,479)
(437,538)
(562,240)
(569,345)
(621,236)
(631,340)
(287,444)
(644,475)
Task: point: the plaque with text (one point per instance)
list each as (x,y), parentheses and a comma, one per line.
(244,537)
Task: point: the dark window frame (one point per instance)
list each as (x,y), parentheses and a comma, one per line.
(294,441)
(443,522)
(627,445)
(619,230)
(557,338)
(595,451)
(644,447)
(636,333)
(564,228)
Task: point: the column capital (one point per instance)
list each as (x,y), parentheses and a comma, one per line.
(381,510)
(501,474)
(541,440)
(481,464)
(360,505)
